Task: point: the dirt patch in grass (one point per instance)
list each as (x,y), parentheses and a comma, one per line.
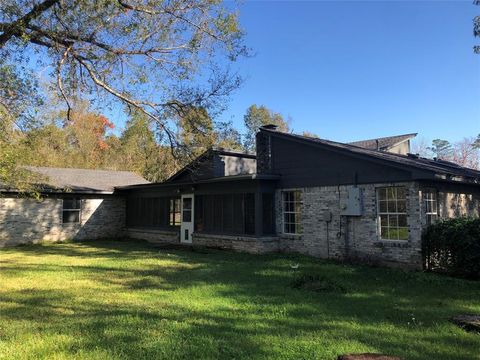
(317,283)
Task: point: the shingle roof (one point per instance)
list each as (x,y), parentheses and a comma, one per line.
(412,161)
(86,180)
(383,143)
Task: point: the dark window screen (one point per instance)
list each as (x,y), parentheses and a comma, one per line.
(225,213)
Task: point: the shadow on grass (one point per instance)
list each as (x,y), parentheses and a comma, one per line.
(388,310)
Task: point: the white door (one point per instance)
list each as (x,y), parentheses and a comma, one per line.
(186,229)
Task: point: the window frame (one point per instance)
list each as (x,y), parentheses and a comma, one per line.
(298,222)
(396,213)
(429,214)
(79,210)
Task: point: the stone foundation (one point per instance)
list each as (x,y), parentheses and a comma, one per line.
(155,236)
(252,245)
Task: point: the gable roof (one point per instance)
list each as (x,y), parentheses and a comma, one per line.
(85,180)
(202,158)
(443,169)
(383,143)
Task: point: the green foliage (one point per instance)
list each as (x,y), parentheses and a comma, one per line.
(453,246)
(131,300)
(258,116)
(159,57)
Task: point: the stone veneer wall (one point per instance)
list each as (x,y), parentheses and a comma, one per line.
(25,221)
(247,244)
(154,236)
(354,237)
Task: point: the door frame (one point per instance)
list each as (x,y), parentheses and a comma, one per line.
(187,227)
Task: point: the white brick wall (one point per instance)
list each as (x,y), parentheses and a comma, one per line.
(30,221)
(351,237)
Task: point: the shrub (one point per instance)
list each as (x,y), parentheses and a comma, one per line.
(453,246)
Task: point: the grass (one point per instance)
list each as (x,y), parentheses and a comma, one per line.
(116,300)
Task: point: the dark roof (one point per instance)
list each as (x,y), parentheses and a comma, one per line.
(231,178)
(439,167)
(383,143)
(205,155)
(85,180)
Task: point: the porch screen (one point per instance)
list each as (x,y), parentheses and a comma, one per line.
(152,212)
(225,213)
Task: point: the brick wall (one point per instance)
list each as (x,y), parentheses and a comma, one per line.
(247,244)
(354,237)
(154,236)
(25,221)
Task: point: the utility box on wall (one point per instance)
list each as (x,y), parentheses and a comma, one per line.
(353,204)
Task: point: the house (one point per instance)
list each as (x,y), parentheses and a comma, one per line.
(75,204)
(367,200)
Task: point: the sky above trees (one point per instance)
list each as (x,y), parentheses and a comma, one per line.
(348,70)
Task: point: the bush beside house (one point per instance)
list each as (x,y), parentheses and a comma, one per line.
(453,246)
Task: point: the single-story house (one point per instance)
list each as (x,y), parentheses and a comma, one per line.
(74,204)
(367,200)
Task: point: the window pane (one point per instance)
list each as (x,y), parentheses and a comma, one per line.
(71,203)
(391,193)
(392,207)
(402,220)
(392,220)
(383,206)
(71,216)
(402,234)
(384,232)
(401,193)
(402,206)
(187,216)
(382,194)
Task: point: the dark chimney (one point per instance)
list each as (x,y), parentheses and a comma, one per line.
(272,127)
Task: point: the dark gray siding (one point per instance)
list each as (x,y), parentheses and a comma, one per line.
(302,164)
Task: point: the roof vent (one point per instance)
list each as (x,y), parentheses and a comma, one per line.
(413,156)
(272,127)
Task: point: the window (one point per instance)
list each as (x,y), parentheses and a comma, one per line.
(71,210)
(174,212)
(431,206)
(292,212)
(392,211)
(187,209)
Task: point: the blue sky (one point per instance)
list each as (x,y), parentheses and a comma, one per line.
(349,70)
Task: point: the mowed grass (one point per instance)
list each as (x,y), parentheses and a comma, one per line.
(119,299)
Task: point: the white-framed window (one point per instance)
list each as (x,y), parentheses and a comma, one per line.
(71,210)
(292,212)
(174,213)
(431,205)
(392,213)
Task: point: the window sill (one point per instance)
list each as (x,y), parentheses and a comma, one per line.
(392,243)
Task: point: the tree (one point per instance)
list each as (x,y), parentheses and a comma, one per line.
(86,134)
(258,116)
(420,147)
(140,152)
(159,57)
(465,153)
(476,28)
(441,148)
(310,135)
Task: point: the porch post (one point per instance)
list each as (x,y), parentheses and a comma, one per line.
(258,213)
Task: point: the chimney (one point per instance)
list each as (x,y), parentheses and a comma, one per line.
(272,127)
(378,144)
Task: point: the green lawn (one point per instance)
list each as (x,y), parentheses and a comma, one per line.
(115,300)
